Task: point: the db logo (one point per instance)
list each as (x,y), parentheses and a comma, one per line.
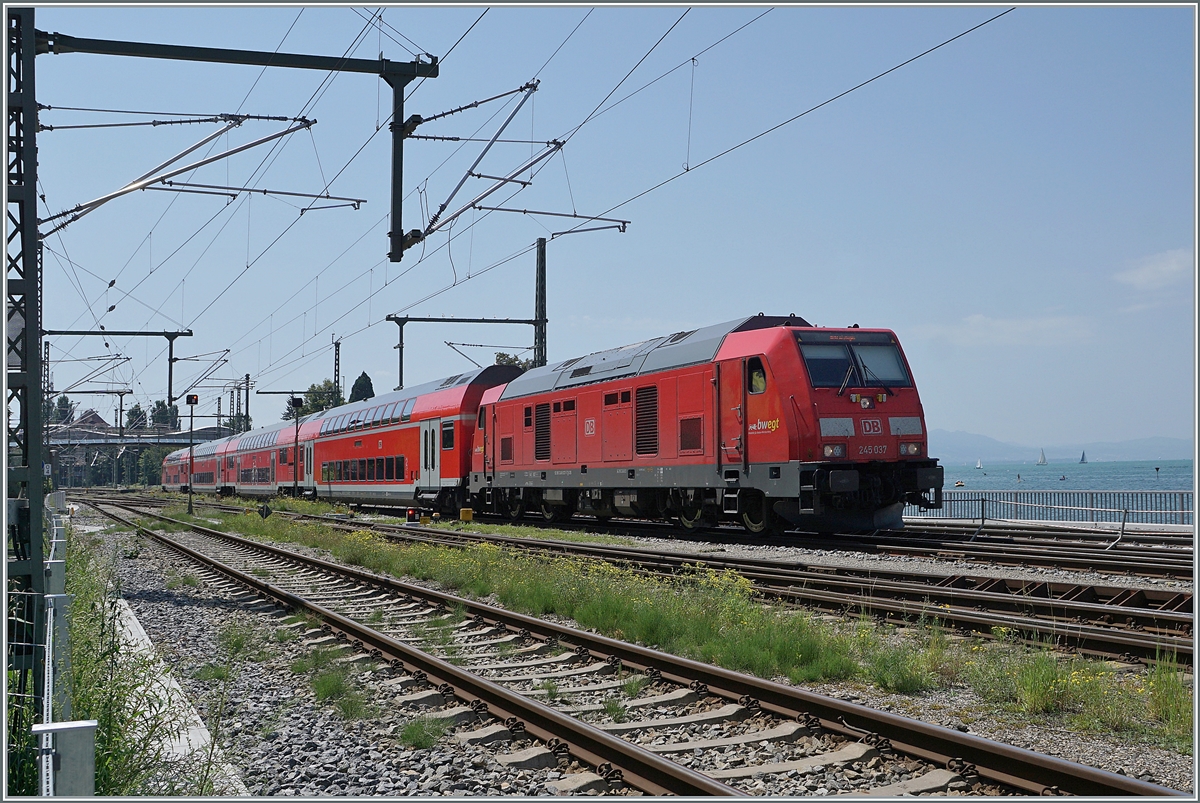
(589,427)
(872,426)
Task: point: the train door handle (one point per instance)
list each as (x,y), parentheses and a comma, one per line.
(737,410)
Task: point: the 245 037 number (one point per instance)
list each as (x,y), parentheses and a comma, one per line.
(881,449)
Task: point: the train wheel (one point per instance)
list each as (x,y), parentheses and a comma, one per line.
(516,508)
(757,517)
(696,519)
(556,513)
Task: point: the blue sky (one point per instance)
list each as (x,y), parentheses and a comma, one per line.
(1019,205)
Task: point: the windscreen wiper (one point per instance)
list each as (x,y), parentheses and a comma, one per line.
(867,371)
(846,379)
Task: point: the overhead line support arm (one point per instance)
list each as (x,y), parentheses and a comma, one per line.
(397,74)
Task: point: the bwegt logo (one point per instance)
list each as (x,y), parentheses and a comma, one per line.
(765,426)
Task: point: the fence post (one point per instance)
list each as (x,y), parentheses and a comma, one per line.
(70,763)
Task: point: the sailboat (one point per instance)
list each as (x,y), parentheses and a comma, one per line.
(1042,459)
(1083,457)
(978,464)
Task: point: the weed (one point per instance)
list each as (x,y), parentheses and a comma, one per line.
(634,685)
(319,658)
(331,683)
(1170,701)
(550,687)
(376,617)
(285,634)
(422,733)
(615,709)
(898,669)
(1039,684)
(212,672)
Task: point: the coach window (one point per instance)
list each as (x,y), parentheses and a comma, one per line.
(447,434)
(371,470)
(389,468)
(362,470)
(408,408)
(400,467)
(756,376)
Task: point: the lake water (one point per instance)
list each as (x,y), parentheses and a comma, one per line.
(1136,475)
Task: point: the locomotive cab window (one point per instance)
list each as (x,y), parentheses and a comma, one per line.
(528,418)
(830,365)
(480,423)
(854,365)
(882,366)
(756,375)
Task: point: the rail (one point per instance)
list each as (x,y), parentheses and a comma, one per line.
(1131,507)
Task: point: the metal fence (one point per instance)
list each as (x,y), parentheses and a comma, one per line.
(1133,507)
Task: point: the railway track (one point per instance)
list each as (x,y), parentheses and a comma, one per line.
(496,671)
(1106,621)
(1052,546)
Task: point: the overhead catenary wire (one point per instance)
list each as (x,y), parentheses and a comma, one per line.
(807,111)
(350,161)
(741,144)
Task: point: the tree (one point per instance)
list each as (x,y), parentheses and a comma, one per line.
(135,417)
(63,414)
(362,389)
(317,398)
(513,359)
(236,423)
(161,416)
(150,464)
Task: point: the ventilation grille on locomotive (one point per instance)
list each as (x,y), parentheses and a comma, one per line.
(646,420)
(541,432)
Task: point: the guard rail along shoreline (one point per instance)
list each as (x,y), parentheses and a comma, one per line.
(1133,507)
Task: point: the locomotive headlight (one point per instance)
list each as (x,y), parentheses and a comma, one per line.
(835,450)
(911,449)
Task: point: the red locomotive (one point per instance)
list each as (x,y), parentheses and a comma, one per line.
(767,421)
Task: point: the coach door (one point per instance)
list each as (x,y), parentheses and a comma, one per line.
(431,467)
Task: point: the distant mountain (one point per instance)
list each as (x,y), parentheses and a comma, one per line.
(966,447)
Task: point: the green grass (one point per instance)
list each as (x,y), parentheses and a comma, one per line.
(550,687)
(319,658)
(539,533)
(212,672)
(175,581)
(615,709)
(422,733)
(120,688)
(633,687)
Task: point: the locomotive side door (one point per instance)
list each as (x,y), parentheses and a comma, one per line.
(731,406)
(431,464)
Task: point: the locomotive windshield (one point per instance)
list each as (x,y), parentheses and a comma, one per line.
(841,365)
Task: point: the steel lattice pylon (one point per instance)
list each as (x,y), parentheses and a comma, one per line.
(22,391)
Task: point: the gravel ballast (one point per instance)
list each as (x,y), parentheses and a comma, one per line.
(286,743)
